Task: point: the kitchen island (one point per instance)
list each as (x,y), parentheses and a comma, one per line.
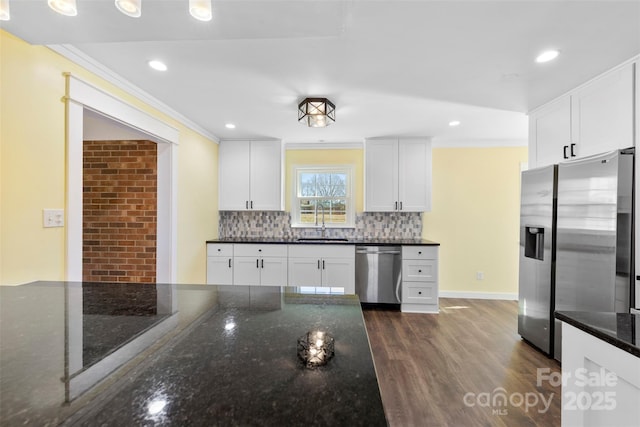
(137,354)
(600,368)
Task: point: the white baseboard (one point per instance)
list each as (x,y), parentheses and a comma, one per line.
(479,295)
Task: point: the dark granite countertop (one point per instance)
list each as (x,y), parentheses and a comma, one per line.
(314,240)
(618,329)
(147,354)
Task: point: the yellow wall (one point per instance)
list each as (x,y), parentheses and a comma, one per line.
(326,158)
(475,217)
(32,168)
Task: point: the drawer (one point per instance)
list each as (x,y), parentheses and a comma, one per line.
(420,293)
(220,249)
(258,250)
(419,270)
(322,250)
(419,252)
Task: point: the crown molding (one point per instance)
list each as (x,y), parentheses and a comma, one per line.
(323,145)
(478,143)
(80,58)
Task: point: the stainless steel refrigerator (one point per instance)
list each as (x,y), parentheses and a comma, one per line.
(537,257)
(583,261)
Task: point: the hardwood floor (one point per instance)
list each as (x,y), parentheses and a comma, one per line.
(466,366)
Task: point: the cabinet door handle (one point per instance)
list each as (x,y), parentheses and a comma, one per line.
(400,205)
(246,204)
(229,262)
(396,208)
(252,204)
(564,152)
(323,264)
(257,263)
(262,263)
(573,145)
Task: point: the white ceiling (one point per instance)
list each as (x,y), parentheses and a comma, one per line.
(403,68)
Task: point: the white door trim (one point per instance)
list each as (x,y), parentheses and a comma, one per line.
(81,95)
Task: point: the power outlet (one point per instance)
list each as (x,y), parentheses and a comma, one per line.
(53,218)
(479,275)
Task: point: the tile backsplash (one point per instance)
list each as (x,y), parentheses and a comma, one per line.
(273,224)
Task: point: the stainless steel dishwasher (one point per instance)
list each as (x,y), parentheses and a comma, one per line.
(378,274)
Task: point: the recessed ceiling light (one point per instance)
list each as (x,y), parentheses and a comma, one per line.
(454,123)
(64,7)
(158,65)
(547,56)
(132,8)
(230,126)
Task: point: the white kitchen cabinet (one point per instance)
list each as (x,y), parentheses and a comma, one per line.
(260,264)
(550,128)
(602,113)
(420,279)
(219,264)
(322,265)
(594,118)
(250,175)
(397,175)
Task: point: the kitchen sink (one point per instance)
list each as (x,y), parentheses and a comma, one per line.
(322,239)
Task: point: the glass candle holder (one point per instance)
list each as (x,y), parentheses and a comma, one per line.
(315,348)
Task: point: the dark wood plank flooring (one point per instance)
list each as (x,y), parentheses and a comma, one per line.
(453,368)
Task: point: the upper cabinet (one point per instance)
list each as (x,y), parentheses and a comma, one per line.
(602,113)
(594,118)
(250,175)
(397,175)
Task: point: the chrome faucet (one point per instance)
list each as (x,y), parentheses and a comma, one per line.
(323,226)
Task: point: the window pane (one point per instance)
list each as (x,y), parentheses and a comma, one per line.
(338,211)
(338,179)
(307,184)
(307,212)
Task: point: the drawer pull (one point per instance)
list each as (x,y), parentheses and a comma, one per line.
(259,250)
(419,271)
(419,252)
(219,249)
(419,292)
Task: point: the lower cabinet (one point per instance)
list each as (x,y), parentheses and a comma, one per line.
(318,265)
(420,279)
(220,264)
(323,265)
(260,265)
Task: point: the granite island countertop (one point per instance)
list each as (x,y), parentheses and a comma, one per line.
(320,241)
(618,329)
(137,354)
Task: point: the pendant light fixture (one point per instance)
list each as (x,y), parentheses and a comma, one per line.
(200,9)
(316,112)
(132,8)
(64,7)
(5,14)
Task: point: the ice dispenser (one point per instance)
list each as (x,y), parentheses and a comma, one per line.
(534,242)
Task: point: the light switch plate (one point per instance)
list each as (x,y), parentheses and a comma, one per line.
(53,218)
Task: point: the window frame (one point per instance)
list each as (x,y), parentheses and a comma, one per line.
(349,199)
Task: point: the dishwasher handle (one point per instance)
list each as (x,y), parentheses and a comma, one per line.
(377,251)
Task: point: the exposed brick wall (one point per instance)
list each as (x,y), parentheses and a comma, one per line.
(119,211)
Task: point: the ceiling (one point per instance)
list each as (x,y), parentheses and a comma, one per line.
(393,68)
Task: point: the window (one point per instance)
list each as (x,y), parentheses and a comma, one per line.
(322,192)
